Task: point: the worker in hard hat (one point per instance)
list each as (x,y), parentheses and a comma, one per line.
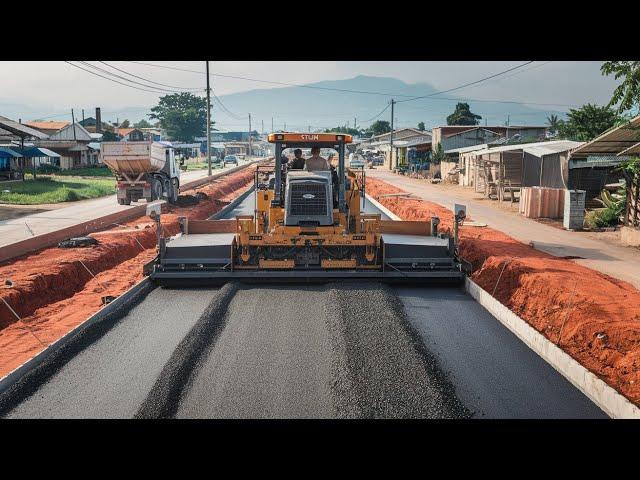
(315,162)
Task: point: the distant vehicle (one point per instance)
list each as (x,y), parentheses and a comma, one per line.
(357,161)
(230,159)
(146,170)
(377,160)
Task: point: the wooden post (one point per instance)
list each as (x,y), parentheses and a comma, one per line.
(635,206)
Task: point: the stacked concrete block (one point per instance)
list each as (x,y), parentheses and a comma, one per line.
(574,201)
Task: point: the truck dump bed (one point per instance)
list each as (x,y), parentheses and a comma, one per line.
(133,158)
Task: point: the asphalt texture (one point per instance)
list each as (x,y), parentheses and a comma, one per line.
(113,376)
(339,350)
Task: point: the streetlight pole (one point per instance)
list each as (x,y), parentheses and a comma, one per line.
(391,138)
(208,121)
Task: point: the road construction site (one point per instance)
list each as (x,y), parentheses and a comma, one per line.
(338,350)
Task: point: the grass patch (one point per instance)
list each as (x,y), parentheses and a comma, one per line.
(86,172)
(55,189)
(201,166)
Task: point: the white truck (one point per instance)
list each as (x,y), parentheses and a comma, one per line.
(143,169)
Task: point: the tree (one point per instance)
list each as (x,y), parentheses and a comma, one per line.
(344,129)
(587,122)
(125,124)
(142,124)
(554,123)
(438,154)
(463,116)
(182,115)
(626,95)
(421,126)
(378,128)
(108,136)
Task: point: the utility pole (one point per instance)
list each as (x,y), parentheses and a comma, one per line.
(262,130)
(75,140)
(250,150)
(83,117)
(208,122)
(391,137)
(271,124)
(354,123)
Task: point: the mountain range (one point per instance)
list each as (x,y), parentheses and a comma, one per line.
(322,105)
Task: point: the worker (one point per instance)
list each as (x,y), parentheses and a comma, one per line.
(315,162)
(298,161)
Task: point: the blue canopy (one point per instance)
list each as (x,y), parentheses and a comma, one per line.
(8,153)
(39,152)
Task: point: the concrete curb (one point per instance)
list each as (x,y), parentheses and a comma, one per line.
(608,399)
(141,288)
(232,205)
(382,208)
(22,247)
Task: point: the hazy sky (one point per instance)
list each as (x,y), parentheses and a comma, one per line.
(57,86)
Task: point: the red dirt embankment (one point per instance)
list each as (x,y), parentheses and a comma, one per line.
(591,316)
(53,292)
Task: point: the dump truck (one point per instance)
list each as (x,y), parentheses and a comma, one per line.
(307,226)
(146,170)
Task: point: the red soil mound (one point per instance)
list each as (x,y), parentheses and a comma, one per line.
(53,292)
(593,317)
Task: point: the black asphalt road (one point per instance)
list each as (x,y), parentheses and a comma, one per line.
(330,351)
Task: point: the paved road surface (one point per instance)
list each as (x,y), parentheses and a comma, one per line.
(15,229)
(346,350)
(614,260)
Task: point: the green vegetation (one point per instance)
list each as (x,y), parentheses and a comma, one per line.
(75,172)
(346,129)
(421,126)
(54,189)
(463,116)
(142,124)
(182,115)
(613,205)
(378,128)
(626,95)
(554,123)
(587,122)
(202,166)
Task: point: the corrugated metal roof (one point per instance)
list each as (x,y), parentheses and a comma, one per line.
(482,146)
(21,130)
(538,149)
(40,152)
(597,161)
(49,125)
(94,145)
(617,140)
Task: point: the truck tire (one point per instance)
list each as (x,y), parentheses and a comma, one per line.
(172,192)
(124,201)
(156,189)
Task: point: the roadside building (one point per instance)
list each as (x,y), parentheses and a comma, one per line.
(130,135)
(48,127)
(508,168)
(14,135)
(10,168)
(453,137)
(409,145)
(72,143)
(596,163)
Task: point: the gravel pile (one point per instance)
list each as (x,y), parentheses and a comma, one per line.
(381,368)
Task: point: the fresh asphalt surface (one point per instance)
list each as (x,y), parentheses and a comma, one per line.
(331,351)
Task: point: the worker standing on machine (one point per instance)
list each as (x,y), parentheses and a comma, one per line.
(315,162)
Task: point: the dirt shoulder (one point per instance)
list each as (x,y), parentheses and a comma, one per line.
(593,317)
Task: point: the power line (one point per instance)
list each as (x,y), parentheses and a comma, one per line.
(147,80)
(160,89)
(460,87)
(110,79)
(273,82)
(383,110)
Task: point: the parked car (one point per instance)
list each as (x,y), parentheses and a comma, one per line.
(230,159)
(357,161)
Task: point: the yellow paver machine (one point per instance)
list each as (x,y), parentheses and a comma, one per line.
(307,226)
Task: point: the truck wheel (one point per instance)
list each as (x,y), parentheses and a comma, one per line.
(172,190)
(124,201)
(156,189)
